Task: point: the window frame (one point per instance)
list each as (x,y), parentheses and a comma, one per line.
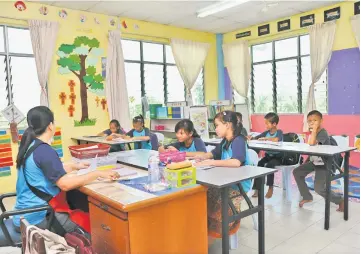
(274,61)
(164,63)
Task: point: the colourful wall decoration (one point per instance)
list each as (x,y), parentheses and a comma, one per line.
(57,143)
(80,59)
(6,158)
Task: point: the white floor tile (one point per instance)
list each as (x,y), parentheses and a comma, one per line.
(335,248)
(216,248)
(356,229)
(301,219)
(286,248)
(349,239)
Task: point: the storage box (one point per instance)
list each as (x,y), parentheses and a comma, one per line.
(162,112)
(177,112)
(169,112)
(180,177)
(153,110)
(173,156)
(89,151)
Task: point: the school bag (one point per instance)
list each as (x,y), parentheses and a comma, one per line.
(338,157)
(291,158)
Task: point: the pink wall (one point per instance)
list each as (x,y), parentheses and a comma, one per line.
(334,124)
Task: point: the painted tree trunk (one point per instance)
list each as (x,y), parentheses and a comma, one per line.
(83,91)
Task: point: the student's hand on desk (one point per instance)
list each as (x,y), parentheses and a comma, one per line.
(262,139)
(172,149)
(81,165)
(109,138)
(249,137)
(108,174)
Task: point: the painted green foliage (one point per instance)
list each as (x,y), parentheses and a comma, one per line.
(80,58)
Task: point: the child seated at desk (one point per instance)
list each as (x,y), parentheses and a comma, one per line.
(319,136)
(232,152)
(111,133)
(240,124)
(139,132)
(271,159)
(188,139)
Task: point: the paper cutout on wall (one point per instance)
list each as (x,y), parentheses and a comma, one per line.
(62,97)
(104,103)
(112,22)
(357,143)
(82,18)
(72,98)
(124,24)
(96,21)
(57,143)
(63,14)
(6,157)
(104,67)
(20,5)
(71,85)
(97,100)
(74,60)
(44,10)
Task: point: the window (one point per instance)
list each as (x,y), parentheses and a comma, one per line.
(18,76)
(150,70)
(281,76)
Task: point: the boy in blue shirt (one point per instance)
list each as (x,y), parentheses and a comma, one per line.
(271,159)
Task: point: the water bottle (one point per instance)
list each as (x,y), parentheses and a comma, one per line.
(153,170)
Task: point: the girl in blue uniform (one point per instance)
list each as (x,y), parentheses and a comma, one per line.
(232,152)
(140,132)
(188,139)
(114,130)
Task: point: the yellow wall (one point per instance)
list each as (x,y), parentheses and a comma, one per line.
(344,36)
(70,28)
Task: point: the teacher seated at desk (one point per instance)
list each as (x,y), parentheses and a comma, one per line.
(43,178)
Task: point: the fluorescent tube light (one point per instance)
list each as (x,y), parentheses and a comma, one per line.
(218,7)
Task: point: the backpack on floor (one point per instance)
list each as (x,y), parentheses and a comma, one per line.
(338,157)
(291,158)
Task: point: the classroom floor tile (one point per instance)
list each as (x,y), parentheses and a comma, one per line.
(293,230)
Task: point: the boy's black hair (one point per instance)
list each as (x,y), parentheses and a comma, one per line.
(315,112)
(188,126)
(116,122)
(239,116)
(272,118)
(139,118)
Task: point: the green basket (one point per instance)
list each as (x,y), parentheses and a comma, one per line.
(181,177)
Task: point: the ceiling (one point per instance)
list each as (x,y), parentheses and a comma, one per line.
(183,13)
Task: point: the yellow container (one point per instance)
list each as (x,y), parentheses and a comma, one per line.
(181,177)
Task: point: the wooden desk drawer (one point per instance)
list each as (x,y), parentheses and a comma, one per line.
(110,234)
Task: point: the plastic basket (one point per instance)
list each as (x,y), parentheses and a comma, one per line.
(89,151)
(173,156)
(180,177)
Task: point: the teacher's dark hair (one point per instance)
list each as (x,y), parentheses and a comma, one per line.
(38,119)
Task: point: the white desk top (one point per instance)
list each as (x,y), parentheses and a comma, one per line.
(103,140)
(138,158)
(221,177)
(300,148)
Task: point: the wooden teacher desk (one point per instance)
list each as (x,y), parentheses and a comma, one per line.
(127,220)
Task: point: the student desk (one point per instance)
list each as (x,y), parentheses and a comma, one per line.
(212,141)
(88,139)
(127,220)
(327,153)
(223,178)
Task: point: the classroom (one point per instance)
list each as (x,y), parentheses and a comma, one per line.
(179,127)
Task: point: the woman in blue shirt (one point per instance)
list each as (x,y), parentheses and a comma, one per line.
(188,139)
(232,152)
(43,170)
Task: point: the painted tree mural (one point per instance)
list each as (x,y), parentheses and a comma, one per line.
(80,58)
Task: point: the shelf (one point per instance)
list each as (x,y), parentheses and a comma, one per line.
(168,131)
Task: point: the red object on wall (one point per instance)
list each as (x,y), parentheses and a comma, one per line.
(71,110)
(124,24)
(72,97)
(103,102)
(62,97)
(71,84)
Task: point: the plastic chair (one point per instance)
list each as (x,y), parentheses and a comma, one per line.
(160,137)
(287,174)
(233,239)
(210,148)
(8,235)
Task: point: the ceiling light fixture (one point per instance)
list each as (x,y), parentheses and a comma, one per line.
(218,7)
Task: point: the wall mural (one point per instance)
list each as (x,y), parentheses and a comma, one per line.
(80,59)
(6,157)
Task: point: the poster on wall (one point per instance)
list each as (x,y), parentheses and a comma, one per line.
(307,20)
(199,117)
(356,7)
(244,34)
(332,14)
(263,30)
(284,25)
(79,59)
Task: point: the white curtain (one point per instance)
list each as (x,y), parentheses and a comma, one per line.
(43,38)
(238,63)
(321,43)
(116,87)
(355,23)
(189,57)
